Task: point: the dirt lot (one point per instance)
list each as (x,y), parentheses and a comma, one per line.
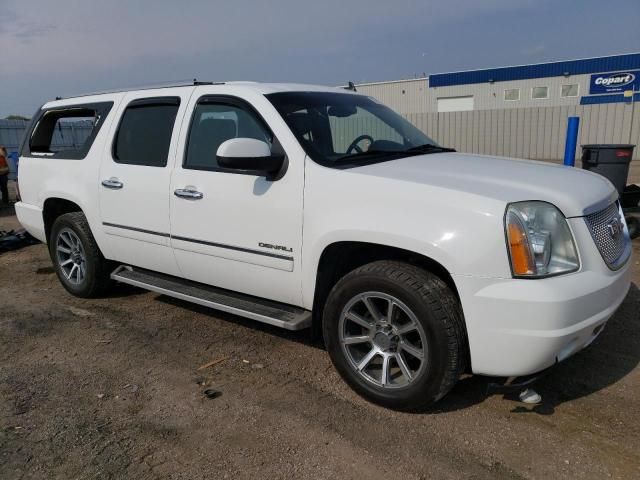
(110,388)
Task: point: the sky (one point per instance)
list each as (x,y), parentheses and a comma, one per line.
(65,47)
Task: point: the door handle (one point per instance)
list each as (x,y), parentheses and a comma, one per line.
(188,193)
(113,183)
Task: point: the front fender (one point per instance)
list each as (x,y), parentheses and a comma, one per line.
(311,261)
(462,232)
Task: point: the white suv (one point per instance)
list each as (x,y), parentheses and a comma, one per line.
(304,206)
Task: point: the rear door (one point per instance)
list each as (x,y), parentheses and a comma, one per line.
(135,175)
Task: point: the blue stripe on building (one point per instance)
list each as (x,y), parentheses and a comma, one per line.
(613,98)
(572,67)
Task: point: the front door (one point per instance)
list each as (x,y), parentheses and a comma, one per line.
(134,178)
(237,231)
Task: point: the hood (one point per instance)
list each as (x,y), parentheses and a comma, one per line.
(574,191)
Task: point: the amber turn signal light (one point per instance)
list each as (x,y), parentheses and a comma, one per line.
(521,257)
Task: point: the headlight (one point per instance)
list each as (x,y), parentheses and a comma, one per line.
(539,240)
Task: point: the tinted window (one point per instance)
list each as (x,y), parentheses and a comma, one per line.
(67,132)
(215,123)
(144,134)
(344,128)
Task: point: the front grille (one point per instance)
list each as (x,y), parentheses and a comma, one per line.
(615,249)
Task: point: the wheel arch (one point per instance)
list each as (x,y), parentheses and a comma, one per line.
(53,207)
(339,258)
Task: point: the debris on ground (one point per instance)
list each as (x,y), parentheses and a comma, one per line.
(530,396)
(212,393)
(212,363)
(15,239)
(80,312)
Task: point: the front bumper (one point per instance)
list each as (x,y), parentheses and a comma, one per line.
(519,327)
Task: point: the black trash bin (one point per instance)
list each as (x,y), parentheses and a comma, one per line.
(610,161)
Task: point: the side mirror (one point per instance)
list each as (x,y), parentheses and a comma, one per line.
(249,156)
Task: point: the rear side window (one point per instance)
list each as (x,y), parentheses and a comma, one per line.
(66,132)
(144,133)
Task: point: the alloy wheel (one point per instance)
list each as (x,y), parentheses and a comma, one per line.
(71,256)
(383,340)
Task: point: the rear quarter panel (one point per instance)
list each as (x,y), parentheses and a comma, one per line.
(41,177)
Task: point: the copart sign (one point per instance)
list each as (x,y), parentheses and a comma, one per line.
(614,82)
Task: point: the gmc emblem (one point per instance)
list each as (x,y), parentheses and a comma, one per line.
(615,227)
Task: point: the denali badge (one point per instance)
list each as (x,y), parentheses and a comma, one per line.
(614,227)
(275,247)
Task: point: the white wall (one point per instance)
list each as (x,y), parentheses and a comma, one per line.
(455,104)
(534,133)
(415,95)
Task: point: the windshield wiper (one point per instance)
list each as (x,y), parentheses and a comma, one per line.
(429,148)
(418,149)
(369,153)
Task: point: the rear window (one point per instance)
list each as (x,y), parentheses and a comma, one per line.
(66,132)
(144,133)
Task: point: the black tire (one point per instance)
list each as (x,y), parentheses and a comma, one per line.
(96,281)
(436,309)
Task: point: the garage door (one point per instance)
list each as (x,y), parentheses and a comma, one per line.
(455,104)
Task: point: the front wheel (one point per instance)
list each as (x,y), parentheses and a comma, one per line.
(395,333)
(78,262)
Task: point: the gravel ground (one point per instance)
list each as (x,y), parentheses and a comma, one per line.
(111,388)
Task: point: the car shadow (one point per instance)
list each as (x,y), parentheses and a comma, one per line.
(304,337)
(611,357)
(122,290)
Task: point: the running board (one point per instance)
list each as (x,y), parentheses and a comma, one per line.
(265,311)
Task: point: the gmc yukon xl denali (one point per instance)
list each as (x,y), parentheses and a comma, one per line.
(303,206)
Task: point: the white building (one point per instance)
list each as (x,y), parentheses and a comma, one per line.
(589,81)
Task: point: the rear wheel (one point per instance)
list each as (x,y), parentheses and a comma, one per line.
(395,333)
(78,262)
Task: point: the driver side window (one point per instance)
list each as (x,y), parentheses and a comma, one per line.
(215,123)
(345,130)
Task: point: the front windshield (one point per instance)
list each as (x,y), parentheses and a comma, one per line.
(344,129)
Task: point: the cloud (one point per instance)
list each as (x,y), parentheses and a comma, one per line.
(73,46)
(534,51)
(18,27)
(27,31)
(118,34)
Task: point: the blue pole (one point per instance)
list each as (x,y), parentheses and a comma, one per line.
(572,141)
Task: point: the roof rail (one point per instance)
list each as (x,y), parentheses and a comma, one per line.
(185,83)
